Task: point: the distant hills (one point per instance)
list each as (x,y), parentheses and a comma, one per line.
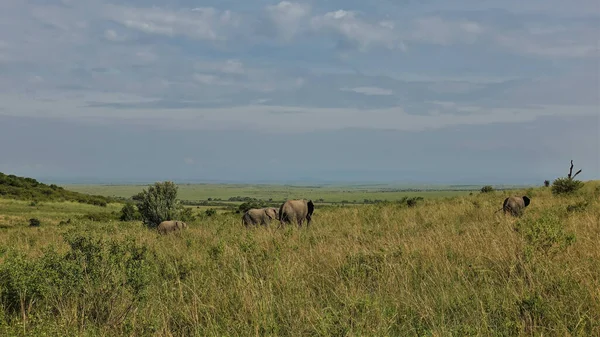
(22,188)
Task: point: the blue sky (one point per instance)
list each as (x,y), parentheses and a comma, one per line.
(320,91)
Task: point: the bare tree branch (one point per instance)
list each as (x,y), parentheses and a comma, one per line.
(571,169)
(576,174)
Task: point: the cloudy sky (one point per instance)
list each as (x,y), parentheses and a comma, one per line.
(468,91)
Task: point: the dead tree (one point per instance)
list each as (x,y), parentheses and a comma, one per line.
(571,172)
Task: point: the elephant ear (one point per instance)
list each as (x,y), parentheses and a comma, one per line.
(311,207)
(526,200)
(270,213)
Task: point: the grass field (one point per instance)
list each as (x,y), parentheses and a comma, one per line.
(446,267)
(280,192)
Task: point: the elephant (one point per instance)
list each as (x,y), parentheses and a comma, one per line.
(296,210)
(170,226)
(261,216)
(515,205)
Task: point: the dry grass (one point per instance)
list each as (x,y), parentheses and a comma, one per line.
(445,267)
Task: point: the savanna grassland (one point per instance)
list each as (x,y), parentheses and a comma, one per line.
(328,194)
(448,266)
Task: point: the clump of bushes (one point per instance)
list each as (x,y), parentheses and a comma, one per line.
(34,222)
(545,235)
(487,189)
(210,212)
(106,279)
(566,186)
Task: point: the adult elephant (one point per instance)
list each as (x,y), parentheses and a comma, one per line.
(261,216)
(515,205)
(171,226)
(296,211)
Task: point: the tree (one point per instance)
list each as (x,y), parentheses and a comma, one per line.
(567,185)
(158,203)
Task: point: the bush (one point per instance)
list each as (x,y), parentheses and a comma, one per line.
(546,183)
(545,235)
(106,279)
(186,215)
(251,204)
(566,186)
(487,189)
(129,213)
(210,212)
(33,222)
(158,203)
(412,202)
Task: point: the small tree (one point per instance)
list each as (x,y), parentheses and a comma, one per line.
(567,185)
(487,189)
(158,203)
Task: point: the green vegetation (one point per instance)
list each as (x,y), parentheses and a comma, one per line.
(568,184)
(432,266)
(21,188)
(487,189)
(158,203)
(234,194)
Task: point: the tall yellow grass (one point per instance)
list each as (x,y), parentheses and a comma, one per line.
(448,267)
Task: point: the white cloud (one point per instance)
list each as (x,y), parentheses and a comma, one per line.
(233,67)
(436,30)
(352,28)
(112,35)
(288,17)
(552,41)
(198,23)
(370,91)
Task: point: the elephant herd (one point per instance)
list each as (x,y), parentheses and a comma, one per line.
(299,210)
(290,211)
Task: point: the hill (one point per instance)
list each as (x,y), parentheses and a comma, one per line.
(22,188)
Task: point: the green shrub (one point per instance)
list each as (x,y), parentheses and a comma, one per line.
(578,207)
(210,212)
(487,189)
(186,215)
(412,202)
(33,222)
(546,183)
(105,279)
(545,235)
(566,186)
(129,213)
(158,203)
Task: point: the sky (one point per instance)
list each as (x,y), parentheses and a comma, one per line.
(403,91)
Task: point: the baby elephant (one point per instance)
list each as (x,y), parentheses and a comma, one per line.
(170,226)
(261,216)
(515,205)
